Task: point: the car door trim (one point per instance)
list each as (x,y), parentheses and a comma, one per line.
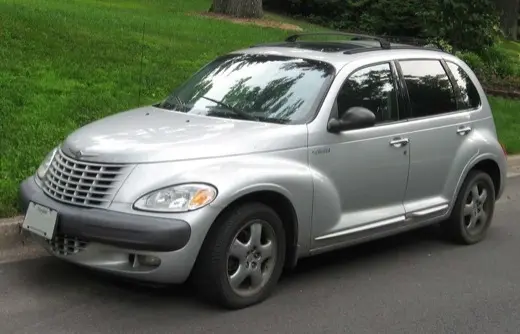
(366,227)
(429,211)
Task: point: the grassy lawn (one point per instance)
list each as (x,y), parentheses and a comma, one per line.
(511,47)
(505,112)
(64,63)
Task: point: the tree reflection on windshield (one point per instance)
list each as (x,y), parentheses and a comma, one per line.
(267,88)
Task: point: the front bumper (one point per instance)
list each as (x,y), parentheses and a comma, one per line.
(112,241)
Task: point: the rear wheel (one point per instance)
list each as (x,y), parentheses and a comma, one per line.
(473,210)
(242,257)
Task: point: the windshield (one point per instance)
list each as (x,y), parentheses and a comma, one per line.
(266,88)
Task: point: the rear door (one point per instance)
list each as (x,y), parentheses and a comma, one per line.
(439,130)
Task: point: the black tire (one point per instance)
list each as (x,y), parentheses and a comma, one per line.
(210,275)
(455,227)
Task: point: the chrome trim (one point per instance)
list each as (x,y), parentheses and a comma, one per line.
(429,211)
(83,183)
(380,223)
(398,142)
(464,130)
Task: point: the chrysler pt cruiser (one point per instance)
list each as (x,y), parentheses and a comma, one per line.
(268,155)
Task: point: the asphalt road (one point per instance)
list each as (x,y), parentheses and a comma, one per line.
(413,283)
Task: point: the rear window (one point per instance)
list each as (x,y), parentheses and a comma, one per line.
(469,97)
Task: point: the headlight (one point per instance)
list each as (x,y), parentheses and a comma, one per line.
(44,166)
(180,198)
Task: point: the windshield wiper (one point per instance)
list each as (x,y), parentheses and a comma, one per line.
(169,106)
(230,108)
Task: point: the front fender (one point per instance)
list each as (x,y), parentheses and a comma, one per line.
(285,173)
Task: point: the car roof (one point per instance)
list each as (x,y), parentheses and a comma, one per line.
(340,52)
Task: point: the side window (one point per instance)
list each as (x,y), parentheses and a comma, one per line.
(470,99)
(429,87)
(372,88)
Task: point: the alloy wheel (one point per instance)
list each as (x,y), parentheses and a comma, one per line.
(476,209)
(251,258)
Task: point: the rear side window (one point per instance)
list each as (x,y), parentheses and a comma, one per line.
(469,97)
(429,87)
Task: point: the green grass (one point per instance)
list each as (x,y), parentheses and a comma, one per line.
(64,63)
(512,50)
(505,112)
(511,46)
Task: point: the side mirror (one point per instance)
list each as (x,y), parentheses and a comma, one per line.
(354,118)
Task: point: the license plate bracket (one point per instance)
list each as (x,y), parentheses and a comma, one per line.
(40,220)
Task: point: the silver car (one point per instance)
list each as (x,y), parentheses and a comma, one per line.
(268,155)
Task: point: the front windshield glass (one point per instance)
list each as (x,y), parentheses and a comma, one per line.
(266,88)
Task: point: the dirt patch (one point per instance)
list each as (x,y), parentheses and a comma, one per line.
(258,22)
(512,94)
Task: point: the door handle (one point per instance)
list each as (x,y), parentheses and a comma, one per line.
(464,130)
(399,142)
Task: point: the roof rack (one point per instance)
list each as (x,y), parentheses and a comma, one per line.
(383,42)
(415,41)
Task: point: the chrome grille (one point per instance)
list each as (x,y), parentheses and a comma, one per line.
(83,183)
(65,245)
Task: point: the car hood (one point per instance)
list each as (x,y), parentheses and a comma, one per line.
(151,134)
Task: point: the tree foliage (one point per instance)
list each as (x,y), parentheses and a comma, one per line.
(470,25)
(508,10)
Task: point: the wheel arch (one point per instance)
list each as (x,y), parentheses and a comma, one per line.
(491,168)
(285,209)
(488,164)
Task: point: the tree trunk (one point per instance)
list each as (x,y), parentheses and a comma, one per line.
(508,17)
(238,8)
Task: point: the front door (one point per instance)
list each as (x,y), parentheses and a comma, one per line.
(361,175)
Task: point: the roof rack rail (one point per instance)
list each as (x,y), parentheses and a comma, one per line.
(415,41)
(383,42)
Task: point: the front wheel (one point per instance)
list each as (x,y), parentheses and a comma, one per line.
(242,257)
(473,210)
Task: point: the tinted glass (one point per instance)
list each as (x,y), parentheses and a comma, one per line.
(264,88)
(469,98)
(429,87)
(372,88)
